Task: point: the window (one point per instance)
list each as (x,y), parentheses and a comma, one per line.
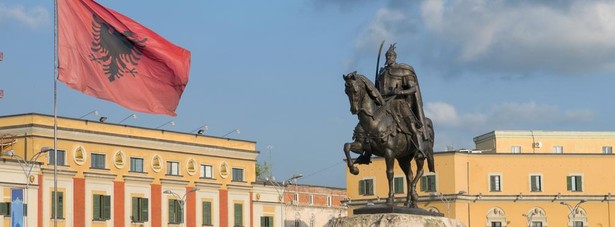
(296,198)
(140,212)
(366,187)
(136,165)
(311,200)
(536,183)
(101,206)
(60,201)
(578,224)
(496,224)
(495,183)
(5,209)
(536,224)
(558,149)
(61,156)
(207,214)
(238,175)
(173,168)
(428,183)
(574,183)
(398,183)
(98,161)
(207,171)
(176,215)
(238,215)
(266,221)
(516,149)
(329,201)
(607,150)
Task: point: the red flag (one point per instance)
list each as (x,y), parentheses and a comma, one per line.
(105,54)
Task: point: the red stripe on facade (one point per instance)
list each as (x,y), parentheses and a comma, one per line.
(190,208)
(251,210)
(79,201)
(39,217)
(223,207)
(118,204)
(156,196)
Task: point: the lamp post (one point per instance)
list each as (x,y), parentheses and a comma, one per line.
(573,209)
(133,116)
(447,200)
(181,200)
(234,130)
(26,166)
(292,180)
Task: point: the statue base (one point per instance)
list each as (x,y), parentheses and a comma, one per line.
(393,219)
(385,209)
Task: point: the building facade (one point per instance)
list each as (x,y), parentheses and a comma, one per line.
(513,178)
(118,175)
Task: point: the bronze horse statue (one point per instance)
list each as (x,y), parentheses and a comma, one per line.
(381,135)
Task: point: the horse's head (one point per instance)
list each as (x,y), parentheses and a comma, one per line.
(362,93)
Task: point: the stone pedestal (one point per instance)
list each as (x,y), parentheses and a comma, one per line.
(393,220)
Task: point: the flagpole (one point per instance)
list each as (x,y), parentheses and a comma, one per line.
(55,115)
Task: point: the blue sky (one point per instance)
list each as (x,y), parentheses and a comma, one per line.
(274,69)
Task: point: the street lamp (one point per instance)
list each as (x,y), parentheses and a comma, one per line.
(291,180)
(26,166)
(573,209)
(133,116)
(447,200)
(234,130)
(181,199)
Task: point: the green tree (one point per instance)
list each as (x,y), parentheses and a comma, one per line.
(263,170)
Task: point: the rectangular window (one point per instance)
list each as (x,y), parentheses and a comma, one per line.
(574,183)
(515,149)
(558,149)
(495,183)
(329,201)
(237,175)
(98,161)
(176,215)
(607,150)
(61,157)
(140,211)
(536,183)
(366,187)
(60,202)
(311,200)
(173,168)
(207,171)
(578,224)
(238,215)
(101,206)
(428,183)
(536,224)
(496,224)
(266,221)
(296,198)
(136,165)
(5,209)
(207,214)
(398,183)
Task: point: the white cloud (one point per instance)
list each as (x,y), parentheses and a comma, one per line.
(503,37)
(32,18)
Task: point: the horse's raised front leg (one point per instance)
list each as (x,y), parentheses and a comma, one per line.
(355,146)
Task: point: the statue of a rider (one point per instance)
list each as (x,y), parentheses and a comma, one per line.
(398,81)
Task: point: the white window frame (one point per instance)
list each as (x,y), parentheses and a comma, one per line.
(173,170)
(329,201)
(500,180)
(574,189)
(296,198)
(607,149)
(541,188)
(558,149)
(515,149)
(373,187)
(204,172)
(311,200)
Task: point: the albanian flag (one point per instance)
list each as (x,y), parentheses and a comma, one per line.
(107,55)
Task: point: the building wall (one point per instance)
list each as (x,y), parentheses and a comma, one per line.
(570,141)
(463,180)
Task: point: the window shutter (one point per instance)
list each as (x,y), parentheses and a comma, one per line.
(60,204)
(569,183)
(172,211)
(134,214)
(362,187)
(424,183)
(579,183)
(207,213)
(4,209)
(399,185)
(432,183)
(263,221)
(180,211)
(144,209)
(96,207)
(53,204)
(106,199)
(492,183)
(238,215)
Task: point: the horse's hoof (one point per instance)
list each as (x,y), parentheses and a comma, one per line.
(354,170)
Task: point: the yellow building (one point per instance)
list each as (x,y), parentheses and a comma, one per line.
(119,175)
(513,178)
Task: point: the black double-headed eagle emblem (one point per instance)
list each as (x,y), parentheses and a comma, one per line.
(118,52)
